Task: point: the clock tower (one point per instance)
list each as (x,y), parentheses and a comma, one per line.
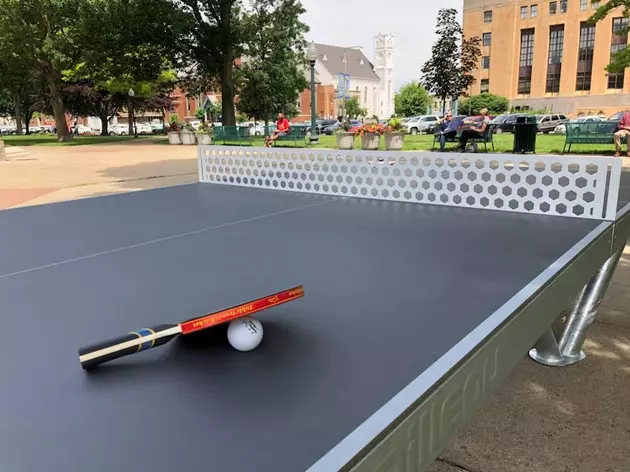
(384,68)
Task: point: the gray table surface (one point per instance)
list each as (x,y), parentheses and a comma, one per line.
(389,288)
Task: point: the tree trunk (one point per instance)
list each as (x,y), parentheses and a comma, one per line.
(227,64)
(266,133)
(17,103)
(56,101)
(28,115)
(227,93)
(104,117)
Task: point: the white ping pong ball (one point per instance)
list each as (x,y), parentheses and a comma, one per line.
(245,334)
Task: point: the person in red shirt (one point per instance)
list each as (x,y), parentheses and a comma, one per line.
(282,129)
(623,131)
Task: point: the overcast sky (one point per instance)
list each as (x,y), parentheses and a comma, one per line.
(356,22)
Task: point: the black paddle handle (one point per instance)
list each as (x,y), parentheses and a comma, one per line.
(105,351)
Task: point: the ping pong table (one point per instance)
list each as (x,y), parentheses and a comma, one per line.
(427,279)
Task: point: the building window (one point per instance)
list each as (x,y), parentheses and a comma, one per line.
(583,4)
(533,11)
(553,8)
(563,6)
(487,16)
(619,27)
(487,39)
(554,66)
(585,57)
(485,62)
(525,62)
(583,82)
(587,42)
(485,85)
(595,4)
(523,13)
(619,42)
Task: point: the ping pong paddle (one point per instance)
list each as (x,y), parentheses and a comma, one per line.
(147,338)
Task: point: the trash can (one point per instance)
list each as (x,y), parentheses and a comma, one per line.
(525,131)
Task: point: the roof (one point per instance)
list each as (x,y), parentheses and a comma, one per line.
(357,65)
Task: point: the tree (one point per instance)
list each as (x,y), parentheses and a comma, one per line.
(496,104)
(353,108)
(23,89)
(126,44)
(85,99)
(272,76)
(38,31)
(412,100)
(214,40)
(621,59)
(448,74)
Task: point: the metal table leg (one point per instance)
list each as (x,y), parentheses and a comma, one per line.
(568,349)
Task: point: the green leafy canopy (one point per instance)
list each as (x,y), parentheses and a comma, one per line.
(412,100)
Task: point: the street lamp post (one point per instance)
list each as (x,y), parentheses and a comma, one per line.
(132,118)
(311,55)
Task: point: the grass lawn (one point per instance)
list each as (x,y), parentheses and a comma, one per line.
(51,140)
(545,143)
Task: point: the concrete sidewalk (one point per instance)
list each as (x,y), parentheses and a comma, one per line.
(573,419)
(44,174)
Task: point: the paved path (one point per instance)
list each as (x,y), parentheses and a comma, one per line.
(54,173)
(575,419)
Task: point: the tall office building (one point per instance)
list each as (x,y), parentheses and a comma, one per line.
(543,54)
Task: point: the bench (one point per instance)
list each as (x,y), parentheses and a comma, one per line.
(596,132)
(484,139)
(296,134)
(232,134)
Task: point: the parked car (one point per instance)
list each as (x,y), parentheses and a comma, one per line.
(121,129)
(144,128)
(157,128)
(548,123)
(83,130)
(616,117)
(422,124)
(562,128)
(334,127)
(505,123)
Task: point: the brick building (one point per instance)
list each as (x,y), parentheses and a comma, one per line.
(543,54)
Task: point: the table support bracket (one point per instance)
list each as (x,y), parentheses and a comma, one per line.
(566,349)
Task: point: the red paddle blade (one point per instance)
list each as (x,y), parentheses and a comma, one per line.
(239,311)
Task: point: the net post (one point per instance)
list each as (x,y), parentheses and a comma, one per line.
(568,349)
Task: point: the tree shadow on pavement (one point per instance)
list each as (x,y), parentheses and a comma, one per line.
(148,175)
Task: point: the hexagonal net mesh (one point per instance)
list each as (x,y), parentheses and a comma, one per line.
(556,185)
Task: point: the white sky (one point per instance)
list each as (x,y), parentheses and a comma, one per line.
(356,22)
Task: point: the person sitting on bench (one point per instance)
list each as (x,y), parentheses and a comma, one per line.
(447,129)
(474,131)
(282,129)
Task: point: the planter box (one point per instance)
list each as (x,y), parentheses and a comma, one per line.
(394,141)
(204,138)
(345,140)
(173,137)
(188,138)
(370,141)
